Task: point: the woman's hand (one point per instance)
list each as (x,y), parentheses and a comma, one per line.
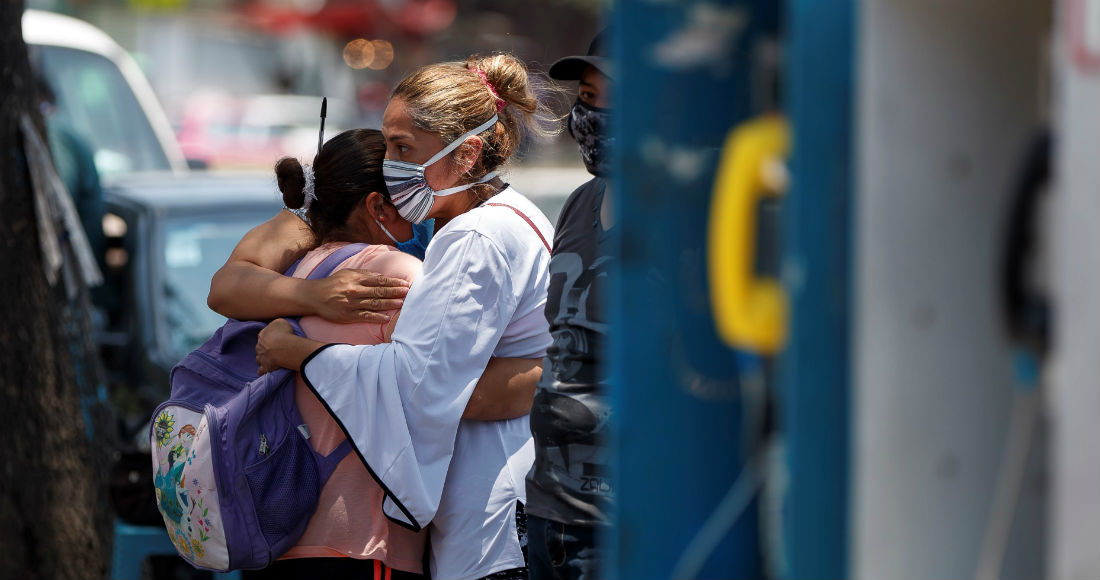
(356,296)
(278,347)
(251,286)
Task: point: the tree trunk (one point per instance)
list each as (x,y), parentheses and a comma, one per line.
(54,520)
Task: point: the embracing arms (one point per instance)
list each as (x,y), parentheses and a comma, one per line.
(505,390)
(250,287)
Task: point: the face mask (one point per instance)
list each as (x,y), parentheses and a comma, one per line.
(409,189)
(590,127)
(417,245)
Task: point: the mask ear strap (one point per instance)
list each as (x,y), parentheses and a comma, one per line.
(387,232)
(488,177)
(462,139)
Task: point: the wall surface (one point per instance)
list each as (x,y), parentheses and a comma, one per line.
(1074,397)
(949,93)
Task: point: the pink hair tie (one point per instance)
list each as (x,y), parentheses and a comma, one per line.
(501,103)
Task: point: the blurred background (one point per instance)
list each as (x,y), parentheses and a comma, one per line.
(241,82)
(164,121)
(856,296)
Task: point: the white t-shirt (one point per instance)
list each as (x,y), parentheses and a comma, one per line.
(482,293)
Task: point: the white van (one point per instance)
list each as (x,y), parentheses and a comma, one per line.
(102,94)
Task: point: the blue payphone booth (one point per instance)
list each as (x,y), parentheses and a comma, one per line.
(716,100)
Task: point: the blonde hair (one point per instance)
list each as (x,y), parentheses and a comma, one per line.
(451,98)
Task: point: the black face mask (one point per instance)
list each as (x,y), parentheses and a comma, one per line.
(590,127)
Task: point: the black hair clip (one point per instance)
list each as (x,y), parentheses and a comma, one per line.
(321,136)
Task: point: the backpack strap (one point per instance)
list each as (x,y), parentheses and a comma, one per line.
(526,219)
(335,259)
(325,265)
(323,269)
(326,464)
(290,271)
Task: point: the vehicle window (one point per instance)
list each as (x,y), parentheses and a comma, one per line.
(194,248)
(94,99)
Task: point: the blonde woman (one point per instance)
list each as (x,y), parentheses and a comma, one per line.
(481,293)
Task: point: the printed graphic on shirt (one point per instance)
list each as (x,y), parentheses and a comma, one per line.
(569,481)
(570,412)
(576,334)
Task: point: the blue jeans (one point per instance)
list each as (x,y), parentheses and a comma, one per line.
(557,551)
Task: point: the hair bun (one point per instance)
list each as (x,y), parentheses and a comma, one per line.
(292,182)
(508,78)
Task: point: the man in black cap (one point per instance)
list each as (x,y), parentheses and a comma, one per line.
(568,490)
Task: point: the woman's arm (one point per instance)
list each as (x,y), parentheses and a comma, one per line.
(505,390)
(251,286)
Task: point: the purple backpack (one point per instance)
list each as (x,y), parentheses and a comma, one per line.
(235,475)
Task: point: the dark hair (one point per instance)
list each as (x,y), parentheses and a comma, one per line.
(348,168)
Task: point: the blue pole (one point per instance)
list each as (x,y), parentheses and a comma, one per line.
(685,78)
(815,376)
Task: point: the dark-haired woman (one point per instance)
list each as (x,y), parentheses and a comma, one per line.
(344,200)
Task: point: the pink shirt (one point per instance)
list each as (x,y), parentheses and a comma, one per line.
(349,521)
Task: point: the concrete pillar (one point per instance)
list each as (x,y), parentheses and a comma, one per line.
(949,93)
(1074,238)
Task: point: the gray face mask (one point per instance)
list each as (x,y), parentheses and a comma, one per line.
(409,189)
(590,127)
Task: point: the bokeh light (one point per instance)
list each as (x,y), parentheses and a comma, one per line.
(383,54)
(359,54)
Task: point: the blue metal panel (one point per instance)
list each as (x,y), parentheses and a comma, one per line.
(684,80)
(815,368)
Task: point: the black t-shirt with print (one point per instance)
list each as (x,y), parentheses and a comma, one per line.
(568,482)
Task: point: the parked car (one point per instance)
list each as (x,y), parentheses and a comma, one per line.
(167,235)
(102,94)
(167,238)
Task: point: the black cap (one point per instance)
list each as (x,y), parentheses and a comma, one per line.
(571,67)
